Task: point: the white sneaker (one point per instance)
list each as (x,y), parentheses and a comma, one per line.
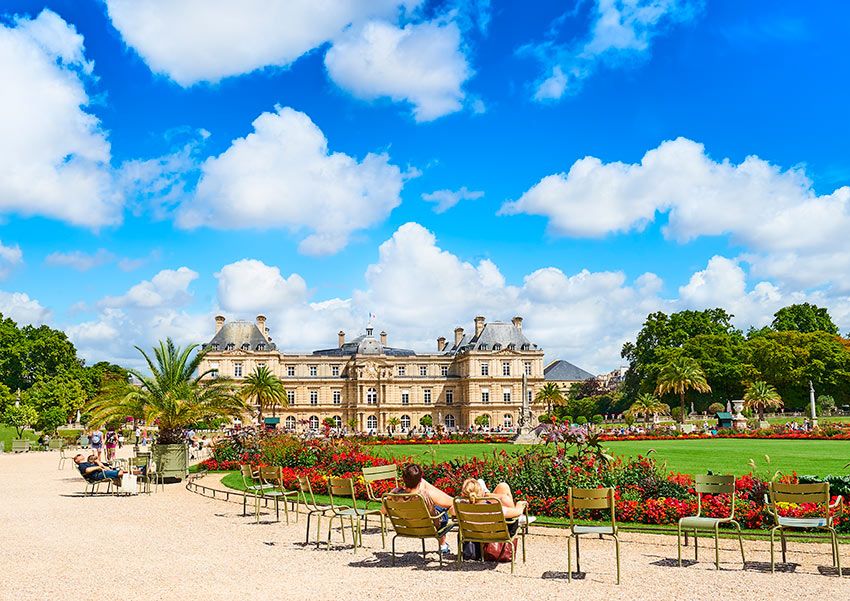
(445,550)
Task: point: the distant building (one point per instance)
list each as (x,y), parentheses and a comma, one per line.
(369,382)
(564,374)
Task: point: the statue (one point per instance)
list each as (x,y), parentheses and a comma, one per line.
(525,434)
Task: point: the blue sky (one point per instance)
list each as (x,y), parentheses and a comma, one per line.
(164,164)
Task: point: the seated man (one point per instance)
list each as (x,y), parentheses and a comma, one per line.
(93,470)
(438,502)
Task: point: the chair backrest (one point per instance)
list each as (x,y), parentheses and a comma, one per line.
(339,488)
(590,498)
(140,461)
(378,473)
(710,484)
(55,444)
(409,515)
(270,474)
(816,493)
(247,474)
(306,492)
(482,521)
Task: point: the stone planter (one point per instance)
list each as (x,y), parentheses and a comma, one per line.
(171,460)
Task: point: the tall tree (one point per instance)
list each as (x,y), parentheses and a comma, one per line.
(761,396)
(803,317)
(678,376)
(265,389)
(551,395)
(646,406)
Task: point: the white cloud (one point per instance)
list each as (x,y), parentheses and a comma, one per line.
(22,308)
(283,176)
(423,64)
(79,260)
(791,233)
(446,199)
(54,156)
(251,286)
(620,31)
(10,257)
(166,288)
(206,40)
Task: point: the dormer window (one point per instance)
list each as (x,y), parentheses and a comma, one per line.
(482,347)
(246,347)
(261,346)
(525,347)
(497,347)
(511,346)
(230,346)
(214,346)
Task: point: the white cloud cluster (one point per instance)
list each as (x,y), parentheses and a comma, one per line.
(10,257)
(22,308)
(621,30)
(79,260)
(168,287)
(423,64)
(54,157)
(791,233)
(282,175)
(446,199)
(192,41)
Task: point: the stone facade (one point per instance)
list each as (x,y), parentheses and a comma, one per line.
(367,383)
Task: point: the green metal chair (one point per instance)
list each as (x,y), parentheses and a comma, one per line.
(817,494)
(20,445)
(373,475)
(339,488)
(56,444)
(62,457)
(249,477)
(482,521)
(590,498)
(410,518)
(271,479)
(305,490)
(705,484)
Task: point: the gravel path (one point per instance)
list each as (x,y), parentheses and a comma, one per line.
(56,544)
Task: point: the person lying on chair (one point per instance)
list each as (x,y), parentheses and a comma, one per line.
(93,470)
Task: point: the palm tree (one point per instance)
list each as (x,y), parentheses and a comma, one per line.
(265,389)
(760,396)
(551,395)
(393,423)
(172,396)
(647,405)
(679,375)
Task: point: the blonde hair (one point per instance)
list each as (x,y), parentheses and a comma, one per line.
(471,489)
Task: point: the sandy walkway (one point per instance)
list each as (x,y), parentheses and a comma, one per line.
(55,544)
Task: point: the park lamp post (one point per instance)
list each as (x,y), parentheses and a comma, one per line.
(812,405)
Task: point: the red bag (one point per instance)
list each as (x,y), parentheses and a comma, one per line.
(501,552)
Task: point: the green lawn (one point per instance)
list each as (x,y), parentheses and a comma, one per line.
(815,457)
(7,435)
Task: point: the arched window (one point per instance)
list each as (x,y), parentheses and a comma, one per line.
(230,346)
(497,347)
(337,421)
(261,346)
(289,422)
(449,421)
(314,422)
(371,397)
(371,423)
(405,422)
(508,421)
(246,347)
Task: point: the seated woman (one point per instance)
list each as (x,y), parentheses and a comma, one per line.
(474,490)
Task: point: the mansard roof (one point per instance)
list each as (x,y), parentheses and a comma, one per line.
(495,336)
(365,344)
(564,371)
(237,334)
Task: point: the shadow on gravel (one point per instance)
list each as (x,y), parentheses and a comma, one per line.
(413,559)
(764,567)
(550,575)
(668,562)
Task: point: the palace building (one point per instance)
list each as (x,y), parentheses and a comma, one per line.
(365,382)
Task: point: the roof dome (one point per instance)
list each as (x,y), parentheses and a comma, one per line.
(370,346)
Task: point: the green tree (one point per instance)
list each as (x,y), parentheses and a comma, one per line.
(20,417)
(426,421)
(825,404)
(61,391)
(550,395)
(393,423)
(50,419)
(678,376)
(6,398)
(172,396)
(760,396)
(716,408)
(803,317)
(265,389)
(482,421)
(647,406)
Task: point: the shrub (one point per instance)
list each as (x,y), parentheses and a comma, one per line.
(716,408)
(581,420)
(597,419)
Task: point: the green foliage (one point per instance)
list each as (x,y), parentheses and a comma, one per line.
(761,396)
(581,420)
(6,398)
(482,420)
(20,417)
(716,408)
(61,391)
(679,375)
(825,404)
(50,419)
(265,389)
(426,421)
(629,419)
(597,419)
(585,407)
(647,406)
(549,395)
(803,317)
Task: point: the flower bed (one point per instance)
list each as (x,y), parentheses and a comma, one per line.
(777,433)
(644,492)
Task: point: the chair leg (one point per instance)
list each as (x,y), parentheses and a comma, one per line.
(354,532)
(244,503)
(523,546)
(740,543)
(617,553)
(423,549)
(772,542)
(383,531)
(392,561)
(440,553)
(277,508)
(679,541)
(578,556)
(696,545)
(835,551)
(784,545)
(717,546)
(307,537)
(459,559)
(569,558)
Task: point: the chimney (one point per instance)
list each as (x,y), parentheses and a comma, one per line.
(479,325)
(341,338)
(261,325)
(517,321)
(441,344)
(458,335)
(383,338)
(219,323)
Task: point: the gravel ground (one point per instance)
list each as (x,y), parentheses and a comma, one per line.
(56,544)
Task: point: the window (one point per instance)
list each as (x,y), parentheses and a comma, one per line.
(371,423)
(485,368)
(426,396)
(506,395)
(335,371)
(525,347)
(449,421)
(405,397)
(237,370)
(246,347)
(405,422)
(337,396)
(508,420)
(314,397)
(261,346)
(260,364)
(530,396)
(506,368)
(485,395)
(289,422)
(444,370)
(215,346)
(230,346)
(527,366)
(213,369)
(450,396)
(402,370)
(313,371)
(290,397)
(497,347)
(337,421)
(290,371)
(423,370)
(314,422)
(371,397)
